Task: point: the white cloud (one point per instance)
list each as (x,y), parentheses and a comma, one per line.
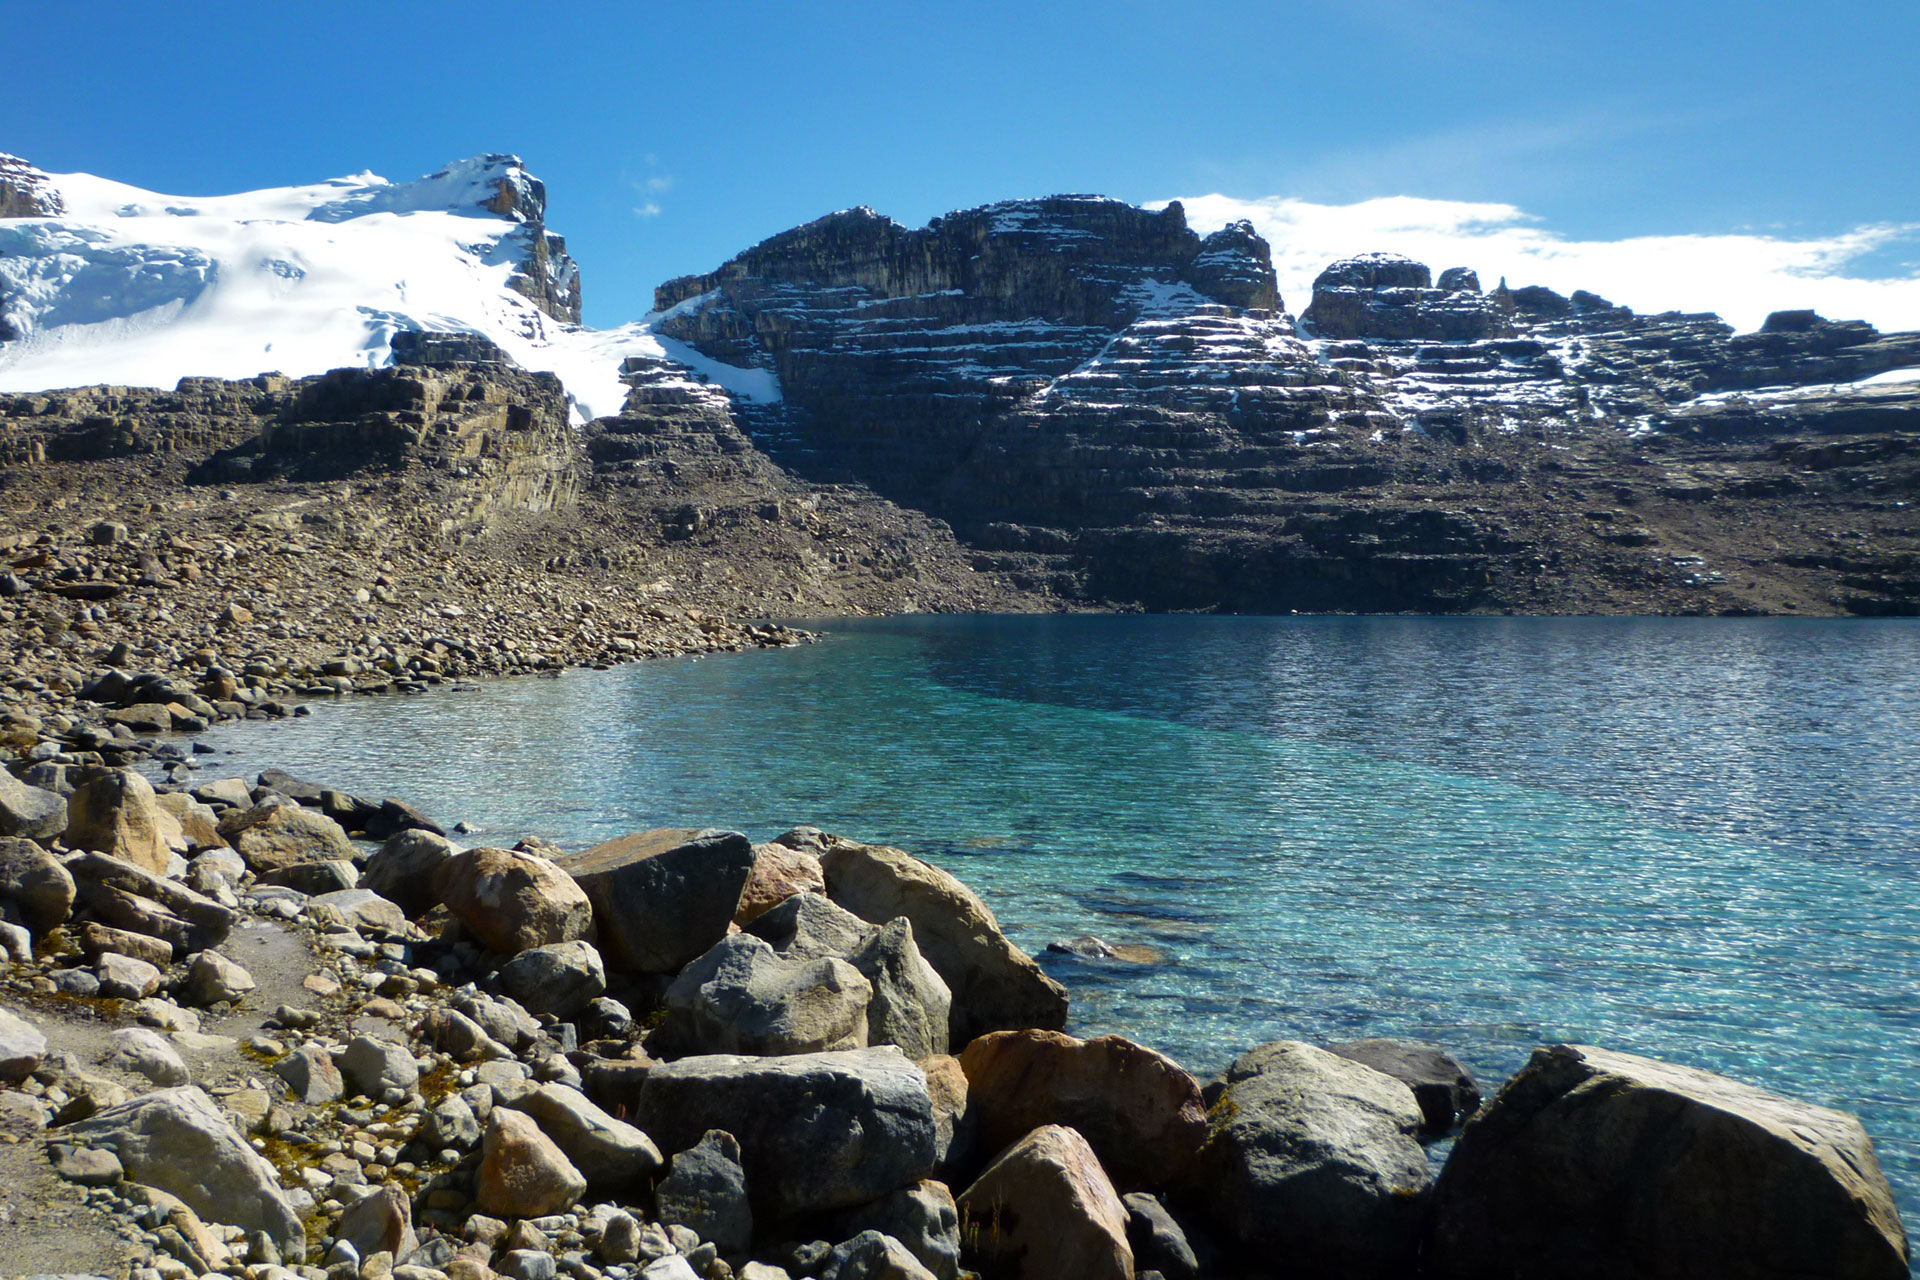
(651,209)
(1743,276)
(660,184)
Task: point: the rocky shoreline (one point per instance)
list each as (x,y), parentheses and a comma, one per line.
(267,1029)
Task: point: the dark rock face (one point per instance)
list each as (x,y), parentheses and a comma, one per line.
(451,403)
(25,191)
(1111,409)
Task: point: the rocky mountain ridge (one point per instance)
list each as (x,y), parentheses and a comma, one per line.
(1108,407)
(1110,404)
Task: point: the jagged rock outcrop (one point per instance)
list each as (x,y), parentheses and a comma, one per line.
(25,191)
(1113,409)
(451,403)
(1382,295)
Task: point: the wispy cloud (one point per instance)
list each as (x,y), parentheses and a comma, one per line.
(1742,275)
(651,209)
(660,184)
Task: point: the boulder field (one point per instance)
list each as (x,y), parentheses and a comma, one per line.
(683,1054)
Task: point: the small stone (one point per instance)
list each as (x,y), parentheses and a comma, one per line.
(522,1173)
(371,1066)
(145,1053)
(311,1075)
(213,979)
(124,978)
(88,1166)
(21,1047)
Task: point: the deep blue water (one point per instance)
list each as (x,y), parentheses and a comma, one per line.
(1696,839)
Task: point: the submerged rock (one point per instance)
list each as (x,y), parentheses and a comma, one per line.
(1591,1163)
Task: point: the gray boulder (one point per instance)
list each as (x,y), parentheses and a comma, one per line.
(145,1053)
(371,1066)
(452,1125)
(402,869)
(994,985)
(808,926)
(873,1255)
(311,1075)
(1158,1242)
(662,898)
(380,1221)
(923,1218)
(502,1018)
(1446,1091)
(213,978)
(911,1004)
(609,1153)
(705,1191)
(561,979)
(177,1140)
(1591,1163)
(816,1131)
(1315,1157)
(358,908)
(125,978)
(21,1047)
(741,997)
(28,812)
(35,882)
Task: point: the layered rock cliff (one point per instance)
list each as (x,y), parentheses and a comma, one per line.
(1103,400)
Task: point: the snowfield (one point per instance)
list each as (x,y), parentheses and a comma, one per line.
(136,288)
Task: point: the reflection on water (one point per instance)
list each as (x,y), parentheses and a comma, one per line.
(1689,838)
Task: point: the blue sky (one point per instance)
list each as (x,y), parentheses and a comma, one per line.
(673,135)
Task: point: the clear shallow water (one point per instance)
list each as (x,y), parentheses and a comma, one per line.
(1696,839)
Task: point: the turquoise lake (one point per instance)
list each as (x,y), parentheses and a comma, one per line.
(1697,839)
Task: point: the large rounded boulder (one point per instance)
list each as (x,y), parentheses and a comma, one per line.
(817,1131)
(661,898)
(1044,1210)
(1592,1164)
(512,900)
(1138,1110)
(1315,1158)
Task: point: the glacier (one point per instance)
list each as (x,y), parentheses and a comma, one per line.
(115,284)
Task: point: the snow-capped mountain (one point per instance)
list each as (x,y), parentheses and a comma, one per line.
(104,282)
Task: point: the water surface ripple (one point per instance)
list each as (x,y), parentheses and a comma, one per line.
(1696,839)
